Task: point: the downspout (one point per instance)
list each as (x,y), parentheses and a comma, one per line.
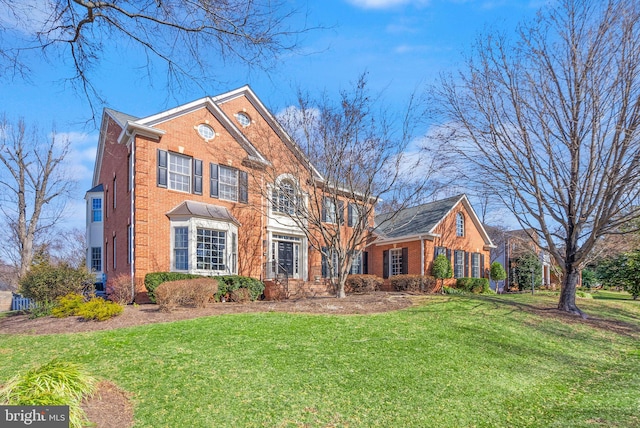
(422,266)
(132,243)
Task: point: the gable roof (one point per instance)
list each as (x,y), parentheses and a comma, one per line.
(422,220)
(200,209)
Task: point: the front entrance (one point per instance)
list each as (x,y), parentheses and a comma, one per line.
(285,257)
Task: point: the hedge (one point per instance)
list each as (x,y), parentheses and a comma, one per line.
(195,292)
(363,283)
(413,283)
(226,283)
(473,285)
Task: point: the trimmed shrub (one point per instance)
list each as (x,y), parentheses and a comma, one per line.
(413,283)
(153,280)
(188,292)
(67,306)
(119,290)
(229,283)
(241,295)
(363,283)
(583,295)
(45,283)
(56,383)
(473,285)
(98,309)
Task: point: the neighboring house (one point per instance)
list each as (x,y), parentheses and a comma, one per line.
(512,244)
(191,190)
(408,241)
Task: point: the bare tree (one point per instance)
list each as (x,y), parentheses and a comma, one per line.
(550,123)
(33,188)
(353,154)
(189,39)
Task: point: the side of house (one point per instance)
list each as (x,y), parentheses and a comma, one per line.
(408,241)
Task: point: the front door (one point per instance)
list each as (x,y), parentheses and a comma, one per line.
(285,258)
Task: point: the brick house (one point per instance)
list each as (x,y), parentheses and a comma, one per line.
(408,241)
(201,188)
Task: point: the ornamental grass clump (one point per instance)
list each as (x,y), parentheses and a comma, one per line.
(57,383)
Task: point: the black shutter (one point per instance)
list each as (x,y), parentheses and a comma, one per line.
(385,264)
(213,180)
(324,209)
(350,219)
(365,262)
(405,261)
(243,187)
(341,212)
(325,269)
(482,270)
(466,265)
(162,168)
(197,176)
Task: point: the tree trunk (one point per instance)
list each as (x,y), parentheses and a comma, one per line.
(567,301)
(340,294)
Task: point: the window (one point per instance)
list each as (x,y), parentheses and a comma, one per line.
(96,210)
(243,119)
(475,265)
(228,183)
(114,253)
(396,261)
(129,244)
(130,173)
(440,250)
(210,252)
(329,212)
(206,131)
(179,172)
(284,197)
(228,186)
(114,192)
(353,215)
(356,263)
(327,270)
(181,248)
(458,264)
(459,224)
(96,259)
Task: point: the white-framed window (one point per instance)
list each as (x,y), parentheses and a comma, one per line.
(115,188)
(475,265)
(96,259)
(356,263)
(114,253)
(228,183)
(206,131)
(210,249)
(204,246)
(330,213)
(284,198)
(243,119)
(181,248)
(129,244)
(395,261)
(179,172)
(130,172)
(96,210)
(459,224)
(458,264)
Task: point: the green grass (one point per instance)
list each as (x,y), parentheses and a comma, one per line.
(451,361)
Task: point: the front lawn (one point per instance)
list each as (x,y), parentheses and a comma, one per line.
(450,361)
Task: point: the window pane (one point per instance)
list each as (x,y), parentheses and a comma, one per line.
(228,183)
(96,210)
(179,172)
(96,259)
(210,249)
(180,251)
(396,261)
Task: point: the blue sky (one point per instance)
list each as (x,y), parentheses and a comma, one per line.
(402,44)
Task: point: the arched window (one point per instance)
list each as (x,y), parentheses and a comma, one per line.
(459,224)
(284,197)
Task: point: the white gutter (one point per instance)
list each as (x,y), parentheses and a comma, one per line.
(407,238)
